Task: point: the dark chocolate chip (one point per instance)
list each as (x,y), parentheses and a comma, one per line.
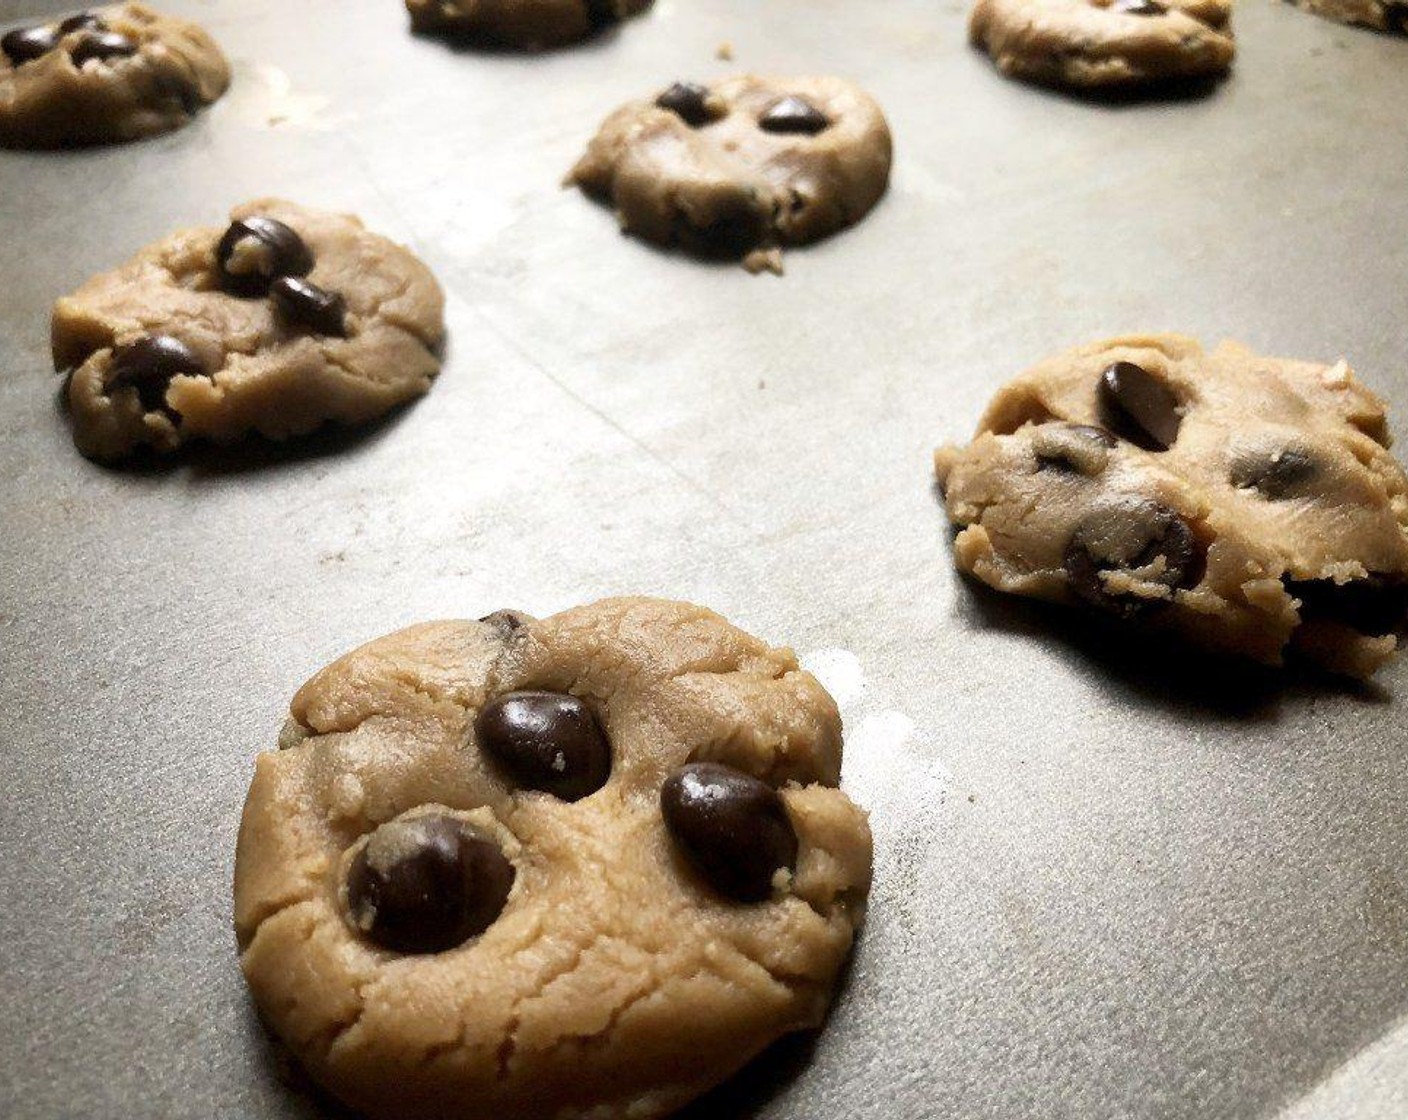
(255,251)
(1139,407)
(793,114)
(738,225)
(102,46)
(731,827)
(427,883)
(601,13)
(1396,18)
(148,365)
(1375,605)
(507,623)
(1126,537)
(25,44)
(1138,8)
(83,21)
(546,741)
(1278,475)
(689,101)
(1055,460)
(306,303)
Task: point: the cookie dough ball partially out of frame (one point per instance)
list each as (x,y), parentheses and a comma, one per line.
(521,23)
(741,167)
(281,321)
(584,866)
(1246,503)
(1380,15)
(118,72)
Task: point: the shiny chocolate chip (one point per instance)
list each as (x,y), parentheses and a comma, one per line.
(256,251)
(148,364)
(1139,407)
(25,44)
(689,101)
(1280,474)
(1375,605)
(304,302)
(102,46)
(546,741)
(1138,8)
(732,828)
(427,883)
(83,21)
(793,115)
(1074,448)
(1143,539)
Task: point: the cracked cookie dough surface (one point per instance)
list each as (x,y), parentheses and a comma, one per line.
(284,320)
(107,74)
(521,23)
(1247,503)
(742,166)
(1381,15)
(584,866)
(1099,43)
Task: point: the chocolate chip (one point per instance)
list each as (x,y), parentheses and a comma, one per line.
(1396,18)
(1127,537)
(507,623)
(793,114)
(1278,475)
(306,303)
(255,251)
(601,13)
(1139,407)
(1138,8)
(689,101)
(1060,448)
(1374,605)
(427,883)
(25,44)
(83,21)
(546,741)
(102,46)
(738,225)
(733,828)
(148,365)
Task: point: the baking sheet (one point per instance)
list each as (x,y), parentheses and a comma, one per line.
(1107,886)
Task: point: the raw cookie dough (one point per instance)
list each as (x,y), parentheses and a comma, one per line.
(578,867)
(113,73)
(1098,43)
(1246,503)
(742,166)
(1381,15)
(311,318)
(521,23)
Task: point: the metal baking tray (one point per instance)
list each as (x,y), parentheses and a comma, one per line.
(1110,883)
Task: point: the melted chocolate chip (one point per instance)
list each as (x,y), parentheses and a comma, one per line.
(427,883)
(793,115)
(732,828)
(83,21)
(1139,407)
(546,741)
(1376,605)
(102,46)
(1138,8)
(689,101)
(256,251)
(1127,537)
(1056,458)
(149,364)
(1278,475)
(304,302)
(25,44)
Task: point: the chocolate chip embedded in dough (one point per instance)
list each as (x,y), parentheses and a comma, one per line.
(148,364)
(506,622)
(546,741)
(1139,407)
(25,44)
(102,46)
(1075,448)
(1374,605)
(83,21)
(1279,474)
(1138,8)
(1136,540)
(1396,18)
(793,115)
(305,302)
(426,883)
(689,101)
(601,13)
(732,828)
(256,251)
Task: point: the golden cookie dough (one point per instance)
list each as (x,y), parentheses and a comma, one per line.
(1246,503)
(616,980)
(742,166)
(521,23)
(113,73)
(1102,44)
(1381,15)
(255,368)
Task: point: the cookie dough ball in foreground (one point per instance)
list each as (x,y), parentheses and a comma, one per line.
(103,75)
(280,321)
(521,23)
(1381,15)
(582,866)
(1248,504)
(1093,44)
(740,167)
